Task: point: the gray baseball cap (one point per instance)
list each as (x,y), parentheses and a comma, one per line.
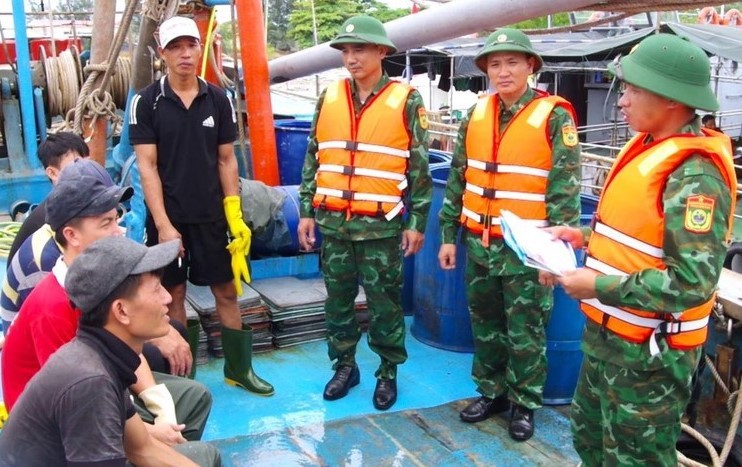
(105,264)
(83,189)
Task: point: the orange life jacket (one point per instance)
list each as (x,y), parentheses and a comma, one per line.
(628,234)
(508,170)
(363,159)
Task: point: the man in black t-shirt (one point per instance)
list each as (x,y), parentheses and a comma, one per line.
(183,131)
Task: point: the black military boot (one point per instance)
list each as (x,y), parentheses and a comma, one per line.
(521,423)
(345,378)
(483,408)
(385,394)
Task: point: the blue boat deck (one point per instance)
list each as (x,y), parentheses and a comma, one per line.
(298,427)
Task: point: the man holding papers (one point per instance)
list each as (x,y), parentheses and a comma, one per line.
(516,150)
(653,260)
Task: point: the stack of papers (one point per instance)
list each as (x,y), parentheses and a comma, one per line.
(536,247)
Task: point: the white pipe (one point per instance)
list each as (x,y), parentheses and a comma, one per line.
(454,19)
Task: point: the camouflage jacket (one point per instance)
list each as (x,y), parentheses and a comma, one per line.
(562,192)
(418,194)
(694,262)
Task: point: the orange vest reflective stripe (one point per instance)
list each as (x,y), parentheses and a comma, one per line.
(628,234)
(363,159)
(508,171)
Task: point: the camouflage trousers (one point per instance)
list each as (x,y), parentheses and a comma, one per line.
(377,265)
(508,318)
(627,417)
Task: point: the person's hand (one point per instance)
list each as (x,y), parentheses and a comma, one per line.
(580,283)
(570,235)
(412,242)
(547,278)
(305,232)
(447,256)
(169,434)
(167,233)
(176,350)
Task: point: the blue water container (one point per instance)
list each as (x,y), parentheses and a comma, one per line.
(436,159)
(564,332)
(291,144)
(441,315)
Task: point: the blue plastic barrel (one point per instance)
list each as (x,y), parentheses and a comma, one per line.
(564,333)
(441,315)
(291,145)
(436,159)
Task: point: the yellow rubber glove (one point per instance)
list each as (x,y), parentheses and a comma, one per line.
(239,264)
(3,414)
(239,248)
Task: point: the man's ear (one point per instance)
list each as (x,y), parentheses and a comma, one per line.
(52,173)
(119,312)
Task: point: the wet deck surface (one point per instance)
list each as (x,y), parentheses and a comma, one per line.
(424,437)
(297,427)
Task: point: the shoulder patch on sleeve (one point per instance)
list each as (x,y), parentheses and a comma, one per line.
(422,115)
(699,213)
(569,135)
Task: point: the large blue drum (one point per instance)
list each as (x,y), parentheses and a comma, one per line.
(291,144)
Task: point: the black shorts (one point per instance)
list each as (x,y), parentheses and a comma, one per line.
(206,260)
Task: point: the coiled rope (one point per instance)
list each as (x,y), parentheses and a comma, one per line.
(95,103)
(734,406)
(8,232)
(63,80)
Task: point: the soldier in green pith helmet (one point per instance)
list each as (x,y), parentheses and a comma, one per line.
(366,164)
(654,257)
(517,150)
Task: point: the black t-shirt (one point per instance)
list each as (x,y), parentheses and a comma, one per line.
(73,411)
(31,224)
(187,146)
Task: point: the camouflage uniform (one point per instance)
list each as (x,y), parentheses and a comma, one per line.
(368,249)
(509,309)
(628,404)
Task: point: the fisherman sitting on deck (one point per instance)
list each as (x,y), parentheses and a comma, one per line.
(80,210)
(37,255)
(77,409)
(55,152)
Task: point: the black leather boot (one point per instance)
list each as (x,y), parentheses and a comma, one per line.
(345,378)
(385,394)
(521,423)
(484,407)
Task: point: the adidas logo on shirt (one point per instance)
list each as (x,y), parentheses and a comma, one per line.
(209,122)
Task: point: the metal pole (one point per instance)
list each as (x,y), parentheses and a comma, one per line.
(104,14)
(448,21)
(24,84)
(257,92)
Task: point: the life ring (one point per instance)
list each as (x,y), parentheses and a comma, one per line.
(708,15)
(733,17)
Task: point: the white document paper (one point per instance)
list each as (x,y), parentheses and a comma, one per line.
(535,247)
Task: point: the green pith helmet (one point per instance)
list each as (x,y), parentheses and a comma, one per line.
(362,29)
(671,67)
(507,40)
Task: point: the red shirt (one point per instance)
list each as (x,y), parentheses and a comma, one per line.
(45,322)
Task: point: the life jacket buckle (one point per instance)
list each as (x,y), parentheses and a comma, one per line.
(351,146)
(489,193)
(490,167)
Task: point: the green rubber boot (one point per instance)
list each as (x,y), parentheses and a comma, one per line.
(238,371)
(193,327)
